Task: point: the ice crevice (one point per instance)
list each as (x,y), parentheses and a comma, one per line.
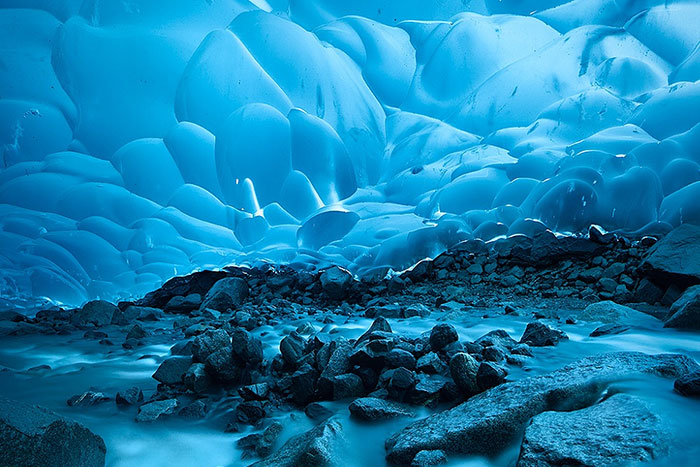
(146,139)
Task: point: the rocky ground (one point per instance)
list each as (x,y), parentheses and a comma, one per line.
(455,396)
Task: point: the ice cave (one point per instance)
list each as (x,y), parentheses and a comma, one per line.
(349,233)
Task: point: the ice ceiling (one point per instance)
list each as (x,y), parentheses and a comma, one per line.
(147,138)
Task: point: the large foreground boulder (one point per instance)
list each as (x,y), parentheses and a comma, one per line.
(620,430)
(489,422)
(676,257)
(321,446)
(228,293)
(685,312)
(32,435)
(610,312)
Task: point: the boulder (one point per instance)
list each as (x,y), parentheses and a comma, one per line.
(371,409)
(292,348)
(130,396)
(620,430)
(442,335)
(336,282)
(261,443)
(380,324)
(152,411)
(609,312)
(428,458)
(689,384)
(489,422)
(463,369)
(676,257)
(172,370)
(685,312)
(34,436)
(228,293)
(197,379)
(95,313)
(538,334)
(609,330)
(87,399)
(321,446)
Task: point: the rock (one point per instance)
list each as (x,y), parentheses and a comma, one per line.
(430,363)
(648,292)
(372,409)
(610,312)
(442,335)
(87,399)
(336,282)
(228,293)
(347,385)
(609,330)
(257,391)
(428,458)
(197,379)
(172,370)
(152,411)
(196,410)
(316,411)
(34,436)
(292,348)
(620,430)
(303,386)
(538,334)
(426,391)
(95,313)
(464,368)
(261,443)
(250,412)
(685,312)
(183,305)
(378,325)
(676,257)
(487,423)
(131,396)
(11,315)
(247,350)
(489,375)
(402,378)
(136,332)
(321,446)
(688,384)
(400,357)
(208,343)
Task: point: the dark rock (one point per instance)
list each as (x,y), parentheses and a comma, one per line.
(379,324)
(338,364)
(620,430)
(372,409)
(489,375)
(316,411)
(250,412)
(197,379)
(428,458)
(609,329)
(347,385)
(196,410)
(538,334)
(198,282)
(262,443)
(426,391)
(400,357)
(402,378)
(292,348)
(131,396)
(688,384)
(323,445)
(34,436)
(685,312)
(136,332)
(676,257)
(494,354)
(610,312)
(430,363)
(489,422)
(303,386)
(228,293)
(172,370)
(247,350)
(648,292)
(152,411)
(208,343)
(87,399)
(497,338)
(183,305)
(442,335)
(336,282)
(464,368)
(95,313)
(11,315)
(258,391)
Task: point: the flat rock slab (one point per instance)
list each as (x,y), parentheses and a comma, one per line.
(34,436)
(619,430)
(489,422)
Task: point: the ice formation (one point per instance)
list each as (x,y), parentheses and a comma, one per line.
(143,139)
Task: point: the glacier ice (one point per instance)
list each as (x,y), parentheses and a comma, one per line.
(143,139)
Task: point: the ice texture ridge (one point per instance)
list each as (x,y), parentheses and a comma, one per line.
(143,139)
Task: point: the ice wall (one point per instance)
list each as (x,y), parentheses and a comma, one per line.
(146,138)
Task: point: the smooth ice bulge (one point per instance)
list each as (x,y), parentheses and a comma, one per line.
(144,139)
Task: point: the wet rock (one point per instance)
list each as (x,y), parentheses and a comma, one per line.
(442,335)
(292,348)
(303,386)
(497,338)
(250,412)
(538,334)
(208,343)
(172,370)
(152,411)
(647,291)
(183,305)
(402,378)
(378,325)
(261,443)
(619,430)
(346,386)
(372,409)
(11,315)
(336,282)
(130,396)
(338,364)
(426,391)
(136,332)
(196,410)
(430,363)
(428,458)
(488,422)
(228,293)
(258,391)
(676,257)
(87,399)
(489,375)
(316,411)
(400,357)
(323,445)
(609,330)
(34,436)
(685,312)
(689,384)
(247,350)
(463,369)
(197,379)
(95,313)
(611,312)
